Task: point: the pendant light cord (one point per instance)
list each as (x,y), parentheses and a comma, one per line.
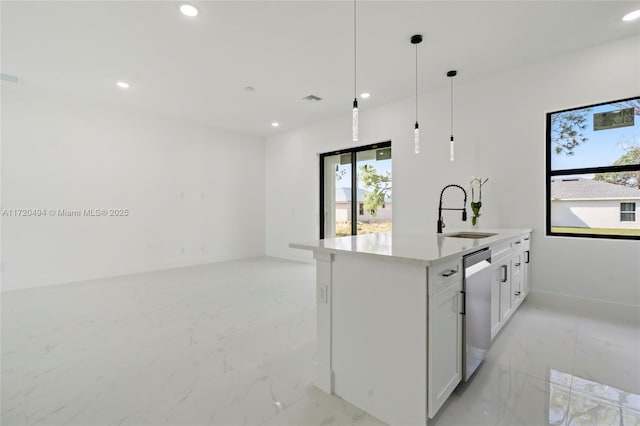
(355,53)
(416,83)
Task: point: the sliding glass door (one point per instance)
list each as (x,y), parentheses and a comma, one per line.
(355,191)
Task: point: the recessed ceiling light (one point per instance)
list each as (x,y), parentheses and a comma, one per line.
(365,95)
(631,16)
(249,89)
(275,124)
(188,10)
(123,84)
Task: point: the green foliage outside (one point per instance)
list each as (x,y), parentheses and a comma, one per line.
(566,130)
(380,185)
(631,178)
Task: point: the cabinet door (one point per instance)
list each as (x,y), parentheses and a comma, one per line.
(505,289)
(526,272)
(516,279)
(445,346)
(495,299)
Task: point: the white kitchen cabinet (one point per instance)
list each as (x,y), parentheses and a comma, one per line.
(500,284)
(510,280)
(389,318)
(504,276)
(501,307)
(445,341)
(526,266)
(495,301)
(516,278)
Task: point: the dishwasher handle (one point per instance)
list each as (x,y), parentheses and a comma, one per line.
(477,257)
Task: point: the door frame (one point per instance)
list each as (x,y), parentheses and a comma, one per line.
(354,182)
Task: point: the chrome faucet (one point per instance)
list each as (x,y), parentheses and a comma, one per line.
(440,208)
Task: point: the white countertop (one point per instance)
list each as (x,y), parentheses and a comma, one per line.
(423,249)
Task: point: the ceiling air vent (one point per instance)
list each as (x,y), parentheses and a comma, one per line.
(312,98)
(9,78)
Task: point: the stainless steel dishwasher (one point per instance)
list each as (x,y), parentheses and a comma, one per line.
(476,325)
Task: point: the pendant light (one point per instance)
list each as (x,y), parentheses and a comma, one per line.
(355,63)
(416,39)
(451,74)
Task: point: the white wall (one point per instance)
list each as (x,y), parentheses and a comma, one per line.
(292,170)
(500,133)
(592,214)
(195,194)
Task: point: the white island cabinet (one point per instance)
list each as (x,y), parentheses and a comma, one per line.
(389,319)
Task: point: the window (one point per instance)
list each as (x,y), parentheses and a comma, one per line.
(355,191)
(593,170)
(627,212)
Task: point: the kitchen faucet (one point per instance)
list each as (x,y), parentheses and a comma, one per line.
(440,208)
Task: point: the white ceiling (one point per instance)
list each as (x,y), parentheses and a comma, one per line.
(197,68)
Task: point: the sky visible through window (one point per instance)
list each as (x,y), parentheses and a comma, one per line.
(603,147)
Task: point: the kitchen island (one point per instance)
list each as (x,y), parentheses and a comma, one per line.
(389,307)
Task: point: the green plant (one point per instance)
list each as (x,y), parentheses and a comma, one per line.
(474,183)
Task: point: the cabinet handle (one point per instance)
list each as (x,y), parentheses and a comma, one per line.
(518,264)
(517,293)
(518,242)
(526,239)
(506,271)
(527,253)
(464,303)
(449,272)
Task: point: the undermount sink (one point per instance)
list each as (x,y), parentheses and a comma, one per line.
(474,235)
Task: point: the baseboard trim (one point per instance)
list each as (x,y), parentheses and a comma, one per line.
(117,273)
(585,306)
(323,378)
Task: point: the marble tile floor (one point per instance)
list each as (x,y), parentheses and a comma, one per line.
(232,344)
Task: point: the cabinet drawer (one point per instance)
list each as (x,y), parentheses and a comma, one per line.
(516,263)
(518,243)
(442,275)
(501,251)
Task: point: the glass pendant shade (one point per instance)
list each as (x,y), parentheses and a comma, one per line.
(355,120)
(354,117)
(451,150)
(451,74)
(415,40)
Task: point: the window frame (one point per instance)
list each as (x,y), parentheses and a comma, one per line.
(578,171)
(629,212)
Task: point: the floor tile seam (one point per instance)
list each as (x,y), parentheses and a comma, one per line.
(528,373)
(531,375)
(602,399)
(288,407)
(619,341)
(573,366)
